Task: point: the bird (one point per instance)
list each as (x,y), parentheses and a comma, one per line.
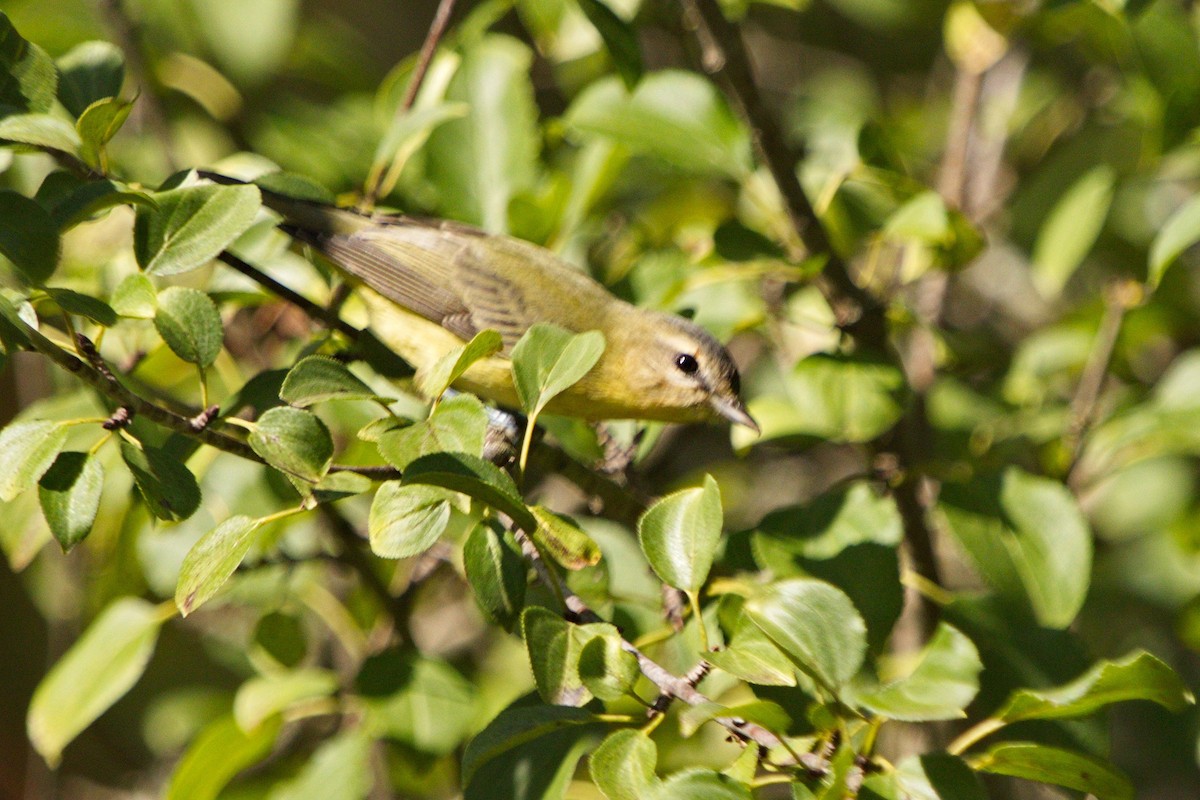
(431,285)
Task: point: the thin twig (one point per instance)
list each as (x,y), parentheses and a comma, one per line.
(724,56)
(437,29)
(127,399)
(315,311)
(670,686)
(1119,297)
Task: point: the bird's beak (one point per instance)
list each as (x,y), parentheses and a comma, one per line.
(734,410)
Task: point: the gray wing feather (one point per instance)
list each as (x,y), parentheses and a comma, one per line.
(436,271)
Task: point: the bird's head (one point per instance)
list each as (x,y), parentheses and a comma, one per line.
(693,370)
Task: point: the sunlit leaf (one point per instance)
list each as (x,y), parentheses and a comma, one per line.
(941,684)
(406,520)
(1027,537)
(69,493)
(218,753)
(27,449)
(293,440)
(1138,676)
(1072,229)
(316,379)
(816,624)
(212,560)
(1045,764)
(188,321)
(191,225)
(97,671)
(623,766)
(680,533)
(677,116)
(548,360)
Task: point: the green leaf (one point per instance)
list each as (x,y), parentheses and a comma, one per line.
(168,487)
(69,493)
(212,560)
(480,161)
(422,702)
(27,449)
(406,520)
(1038,762)
(261,698)
(516,726)
(701,784)
(340,769)
(42,131)
(548,360)
(938,776)
(1138,676)
(446,370)
(497,574)
(97,671)
(191,226)
(1178,233)
(474,477)
(941,684)
(216,755)
(458,425)
(827,525)
(680,534)
(673,115)
(607,669)
(620,40)
(554,646)
(28,237)
(407,133)
(84,305)
(71,200)
(294,441)
(1072,229)
(316,379)
(753,657)
(89,72)
(840,399)
(188,321)
(98,124)
(1027,537)
(564,540)
(135,297)
(847,537)
(29,77)
(816,624)
(623,766)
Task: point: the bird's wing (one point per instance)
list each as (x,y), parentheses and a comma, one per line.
(436,270)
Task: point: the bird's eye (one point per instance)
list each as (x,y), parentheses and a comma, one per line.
(687,364)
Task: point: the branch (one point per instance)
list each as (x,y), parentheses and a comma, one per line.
(858,312)
(1119,297)
(671,686)
(724,56)
(437,29)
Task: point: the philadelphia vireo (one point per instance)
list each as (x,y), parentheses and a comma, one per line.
(431,285)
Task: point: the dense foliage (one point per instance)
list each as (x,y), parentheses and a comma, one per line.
(950,244)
